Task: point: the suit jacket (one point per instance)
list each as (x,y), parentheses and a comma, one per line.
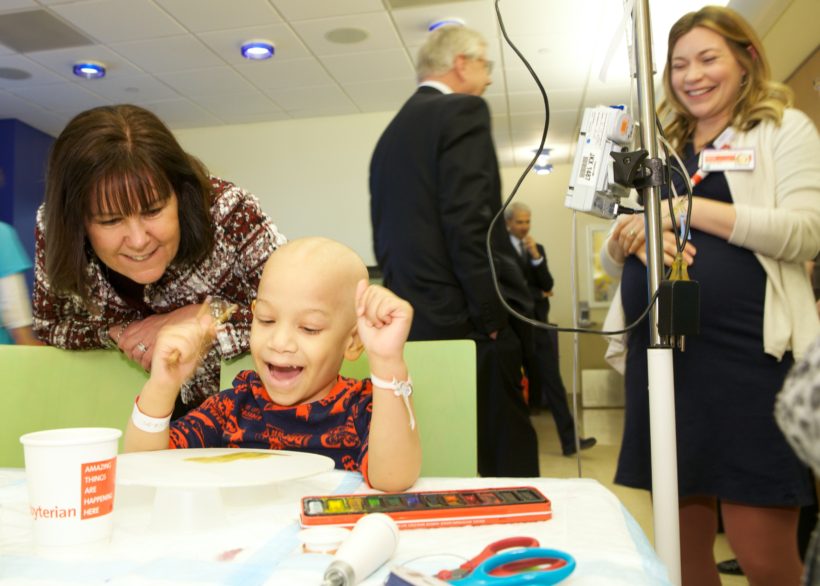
(435,187)
(539,279)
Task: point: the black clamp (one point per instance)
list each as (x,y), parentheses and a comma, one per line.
(633,169)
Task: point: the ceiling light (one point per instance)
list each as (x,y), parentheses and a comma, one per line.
(542,164)
(258,50)
(89,69)
(444,22)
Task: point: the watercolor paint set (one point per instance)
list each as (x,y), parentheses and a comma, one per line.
(518,504)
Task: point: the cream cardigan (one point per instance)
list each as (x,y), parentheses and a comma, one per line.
(778,218)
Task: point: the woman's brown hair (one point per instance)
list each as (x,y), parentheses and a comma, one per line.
(122,160)
(760,98)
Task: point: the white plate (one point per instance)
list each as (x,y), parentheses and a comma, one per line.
(217,467)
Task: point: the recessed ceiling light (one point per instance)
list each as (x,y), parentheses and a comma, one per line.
(451,21)
(89,69)
(542,164)
(258,50)
(346,36)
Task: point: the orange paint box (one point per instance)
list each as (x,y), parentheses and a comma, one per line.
(414,510)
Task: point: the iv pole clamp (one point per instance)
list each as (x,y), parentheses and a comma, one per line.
(633,168)
(659,354)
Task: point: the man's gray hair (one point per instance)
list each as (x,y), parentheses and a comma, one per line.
(514,208)
(438,54)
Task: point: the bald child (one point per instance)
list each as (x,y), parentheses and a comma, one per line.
(314,308)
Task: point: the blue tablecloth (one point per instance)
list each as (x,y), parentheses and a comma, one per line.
(257,543)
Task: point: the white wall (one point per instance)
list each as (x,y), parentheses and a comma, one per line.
(311,175)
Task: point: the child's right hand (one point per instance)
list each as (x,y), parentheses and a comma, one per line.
(179,349)
(177,352)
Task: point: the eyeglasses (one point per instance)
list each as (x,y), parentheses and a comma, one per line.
(487,63)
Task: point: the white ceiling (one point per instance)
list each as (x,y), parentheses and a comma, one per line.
(180,58)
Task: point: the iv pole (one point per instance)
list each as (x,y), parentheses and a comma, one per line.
(659,354)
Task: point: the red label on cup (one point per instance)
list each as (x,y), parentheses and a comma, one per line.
(97,488)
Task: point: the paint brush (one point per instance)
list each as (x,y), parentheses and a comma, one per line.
(225,309)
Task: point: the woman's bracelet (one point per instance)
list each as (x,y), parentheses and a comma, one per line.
(400,388)
(123,326)
(147,423)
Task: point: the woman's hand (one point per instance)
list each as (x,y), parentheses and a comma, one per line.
(670,250)
(626,237)
(138,339)
(629,237)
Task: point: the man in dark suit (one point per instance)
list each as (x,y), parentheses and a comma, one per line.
(434,188)
(546,389)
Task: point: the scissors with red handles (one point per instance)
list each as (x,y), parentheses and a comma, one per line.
(516,560)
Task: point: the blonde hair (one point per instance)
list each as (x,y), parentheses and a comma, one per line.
(444,44)
(760,97)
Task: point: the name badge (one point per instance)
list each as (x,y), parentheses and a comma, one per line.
(727,160)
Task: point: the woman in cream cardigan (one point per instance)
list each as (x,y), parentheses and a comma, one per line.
(752,228)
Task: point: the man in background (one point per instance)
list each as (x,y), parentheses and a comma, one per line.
(435,187)
(546,389)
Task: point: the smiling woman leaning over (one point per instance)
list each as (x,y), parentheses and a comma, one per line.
(134,234)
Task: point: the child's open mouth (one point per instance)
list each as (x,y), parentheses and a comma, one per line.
(284,373)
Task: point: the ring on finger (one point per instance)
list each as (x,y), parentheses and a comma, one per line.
(632,233)
(142,347)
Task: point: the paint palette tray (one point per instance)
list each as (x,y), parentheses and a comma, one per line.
(417,510)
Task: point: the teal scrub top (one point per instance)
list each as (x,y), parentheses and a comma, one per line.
(13,259)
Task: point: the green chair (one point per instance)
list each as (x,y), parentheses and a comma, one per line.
(444,398)
(45,388)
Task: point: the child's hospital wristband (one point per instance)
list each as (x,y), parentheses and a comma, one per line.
(400,388)
(147,423)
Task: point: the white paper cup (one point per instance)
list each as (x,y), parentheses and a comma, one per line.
(71,475)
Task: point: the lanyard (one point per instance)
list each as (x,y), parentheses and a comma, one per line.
(721,142)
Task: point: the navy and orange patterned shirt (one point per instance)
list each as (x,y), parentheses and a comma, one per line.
(244,416)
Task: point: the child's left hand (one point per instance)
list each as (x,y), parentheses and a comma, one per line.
(383,320)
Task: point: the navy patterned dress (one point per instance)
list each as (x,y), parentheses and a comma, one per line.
(725,385)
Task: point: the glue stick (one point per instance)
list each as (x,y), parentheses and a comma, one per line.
(371,543)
